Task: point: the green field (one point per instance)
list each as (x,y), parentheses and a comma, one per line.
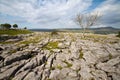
(14,32)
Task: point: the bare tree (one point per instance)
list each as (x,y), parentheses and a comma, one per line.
(87,20)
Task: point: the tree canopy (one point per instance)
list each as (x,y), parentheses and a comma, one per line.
(15,26)
(5,26)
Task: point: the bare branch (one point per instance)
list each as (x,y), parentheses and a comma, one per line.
(87,20)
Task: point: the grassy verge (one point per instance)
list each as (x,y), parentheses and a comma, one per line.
(14,32)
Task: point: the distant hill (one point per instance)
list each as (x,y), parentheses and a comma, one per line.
(100,30)
(105,30)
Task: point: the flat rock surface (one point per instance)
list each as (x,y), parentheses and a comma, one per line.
(64,56)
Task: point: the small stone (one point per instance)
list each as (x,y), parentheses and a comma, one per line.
(61,46)
(56,50)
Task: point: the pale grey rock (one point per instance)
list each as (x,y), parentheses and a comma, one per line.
(10,72)
(71,78)
(17,57)
(61,56)
(41,58)
(114,61)
(99,75)
(90,58)
(101,54)
(13,40)
(5,53)
(74,50)
(85,71)
(99,61)
(73,74)
(45,74)
(21,75)
(36,49)
(56,50)
(9,66)
(31,46)
(112,50)
(76,65)
(67,43)
(114,76)
(31,76)
(55,74)
(43,42)
(55,40)
(59,63)
(61,45)
(66,51)
(110,65)
(1,64)
(49,62)
(30,65)
(106,67)
(66,71)
(39,68)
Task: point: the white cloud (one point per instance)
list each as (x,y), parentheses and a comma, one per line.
(45,12)
(110,10)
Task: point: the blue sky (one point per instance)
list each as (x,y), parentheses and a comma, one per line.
(57,13)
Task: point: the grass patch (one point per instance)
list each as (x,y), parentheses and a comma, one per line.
(51,45)
(27,42)
(59,67)
(118,35)
(81,54)
(31,40)
(54,33)
(52,68)
(68,64)
(12,51)
(72,37)
(95,37)
(110,56)
(14,32)
(7,42)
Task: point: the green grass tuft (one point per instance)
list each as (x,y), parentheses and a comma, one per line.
(110,56)
(7,42)
(68,64)
(51,45)
(31,40)
(14,32)
(59,67)
(81,54)
(118,35)
(12,51)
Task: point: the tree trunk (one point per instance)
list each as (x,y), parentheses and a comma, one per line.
(84,32)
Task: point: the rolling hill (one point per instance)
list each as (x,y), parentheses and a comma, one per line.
(100,30)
